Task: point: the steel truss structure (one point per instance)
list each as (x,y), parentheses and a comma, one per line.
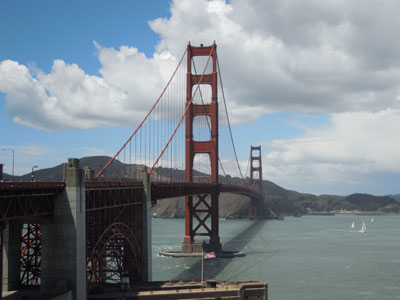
(30,255)
(113,227)
(28,199)
(113,232)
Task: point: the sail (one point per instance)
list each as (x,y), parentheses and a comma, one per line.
(352,225)
(363,228)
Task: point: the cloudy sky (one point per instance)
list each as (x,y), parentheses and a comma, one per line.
(316,83)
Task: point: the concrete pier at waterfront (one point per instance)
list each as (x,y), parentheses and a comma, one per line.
(63,265)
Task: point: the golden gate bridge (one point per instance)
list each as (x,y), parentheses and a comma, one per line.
(103,226)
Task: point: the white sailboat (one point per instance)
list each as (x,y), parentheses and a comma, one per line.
(372,220)
(363,228)
(352,225)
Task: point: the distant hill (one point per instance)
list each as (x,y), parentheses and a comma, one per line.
(95,162)
(366,202)
(395,197)
(277,200)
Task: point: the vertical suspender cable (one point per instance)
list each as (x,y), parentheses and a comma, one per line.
(184,114)
(144,120)
(229,124)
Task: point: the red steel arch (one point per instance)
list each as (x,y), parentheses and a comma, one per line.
(112,255)
(113,232)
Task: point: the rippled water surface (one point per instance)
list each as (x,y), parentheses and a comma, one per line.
(312,257)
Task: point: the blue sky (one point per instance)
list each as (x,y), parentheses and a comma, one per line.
(303,80)
(37,33)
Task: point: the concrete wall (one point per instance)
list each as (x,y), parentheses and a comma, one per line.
(146,227)
(249,290)
(66,296)
(63,265)
(11,255)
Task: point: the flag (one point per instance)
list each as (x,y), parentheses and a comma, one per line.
(209,255)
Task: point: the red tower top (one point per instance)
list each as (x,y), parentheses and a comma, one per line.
(210,110)
(256,170)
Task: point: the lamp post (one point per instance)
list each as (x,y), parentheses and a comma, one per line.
(13,152)
(32,171)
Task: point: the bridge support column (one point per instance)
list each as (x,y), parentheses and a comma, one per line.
(11,255)
(202,208)
(257,206)
(146,227)
(188,239)
(2,227)
(193,147)
(214,239)
(63,264)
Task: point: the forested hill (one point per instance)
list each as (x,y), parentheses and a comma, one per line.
(368,202)
(291,202)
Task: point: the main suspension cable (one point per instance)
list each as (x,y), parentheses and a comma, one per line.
(229,123)
(146,117)
(184,113)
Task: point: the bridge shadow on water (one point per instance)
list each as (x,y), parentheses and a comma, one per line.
(213,267)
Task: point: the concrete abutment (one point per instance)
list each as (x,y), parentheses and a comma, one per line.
(63,240)
(146,226)
(11,255)
(63,265)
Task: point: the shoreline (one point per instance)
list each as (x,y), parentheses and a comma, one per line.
(328,214)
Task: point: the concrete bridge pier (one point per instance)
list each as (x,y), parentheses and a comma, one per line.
(63,261)
(11,244)
(146,226)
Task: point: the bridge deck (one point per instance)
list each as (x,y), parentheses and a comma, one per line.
(163,190)
(33,199)
(28,199)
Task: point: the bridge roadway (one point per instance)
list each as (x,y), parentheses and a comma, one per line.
(34,199)
(164,190)
(28,199)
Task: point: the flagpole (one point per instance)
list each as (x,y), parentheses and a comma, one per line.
(202,262)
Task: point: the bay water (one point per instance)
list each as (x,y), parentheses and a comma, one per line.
(311,257)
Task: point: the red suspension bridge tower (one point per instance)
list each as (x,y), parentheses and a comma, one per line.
(205,206)
(256,180)
(160,141)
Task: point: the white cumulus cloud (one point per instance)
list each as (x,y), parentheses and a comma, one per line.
(354,145)
(67,97)
(293,56)
(337,58)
